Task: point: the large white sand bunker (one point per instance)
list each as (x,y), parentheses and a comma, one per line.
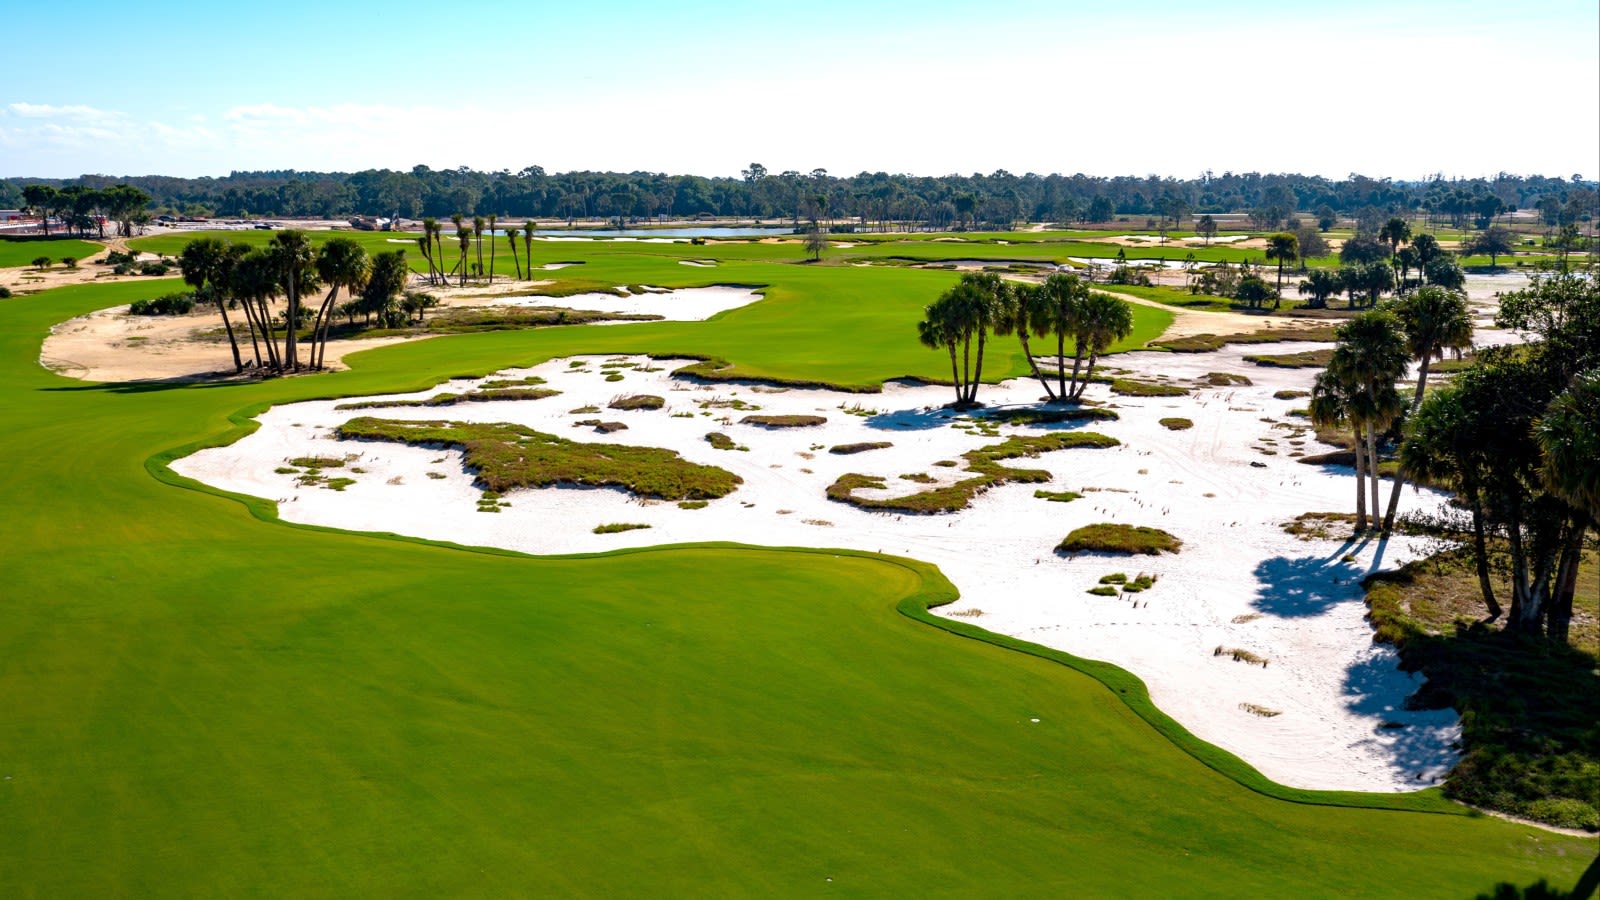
(679,305)
(1324,711)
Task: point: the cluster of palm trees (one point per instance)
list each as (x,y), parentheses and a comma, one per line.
(468,237)
(230,274)
(1517,437)
(1358,387)
(1062,306)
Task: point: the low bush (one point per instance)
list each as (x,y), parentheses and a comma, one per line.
(178,304)
(1177,424)
(1111,537)
(154,269)
(616,527)
(1290,395)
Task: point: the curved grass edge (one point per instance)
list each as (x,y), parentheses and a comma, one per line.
(935,590)
(1131,690)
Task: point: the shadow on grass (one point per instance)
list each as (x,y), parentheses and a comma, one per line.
(1530,708)
(1542,890)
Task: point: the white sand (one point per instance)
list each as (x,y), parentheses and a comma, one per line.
(680,305)
(1240,582)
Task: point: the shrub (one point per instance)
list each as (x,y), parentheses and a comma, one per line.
(166,305)
(41,262)
(5,292)
(154,268)
(720,441)
(70,262)
(1110,537)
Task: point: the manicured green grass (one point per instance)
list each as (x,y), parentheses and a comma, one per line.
(23,251)
(201,700)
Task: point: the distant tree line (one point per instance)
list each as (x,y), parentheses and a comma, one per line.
(866,200)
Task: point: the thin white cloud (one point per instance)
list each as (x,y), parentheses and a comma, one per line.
(75,113)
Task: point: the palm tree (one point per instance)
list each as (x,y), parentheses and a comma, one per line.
(465,237)
(438,250)
(1102,321)
(291,251)
(1022,310)
(202,262)
(1285,248)
(255,282)
(492,219)
(1061,304)
(426,243)
(527,245)
(1394,233)
(1370,357)
(1441,446)
(477,232)
(1427,249)
(1434,319)
(511,238)
(1330,408)
(456,219)
(341,262)
(1320,284)
(936,330)
(1569,441)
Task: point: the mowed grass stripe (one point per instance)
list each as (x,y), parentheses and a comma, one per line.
(202,702)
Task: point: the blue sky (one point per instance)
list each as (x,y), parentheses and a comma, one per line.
(1386,89)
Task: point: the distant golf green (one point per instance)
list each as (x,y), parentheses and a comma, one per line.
(199,699)
(23,251)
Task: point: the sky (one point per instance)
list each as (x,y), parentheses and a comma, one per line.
(926,87)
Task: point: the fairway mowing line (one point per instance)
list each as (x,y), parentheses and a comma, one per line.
(1239,582)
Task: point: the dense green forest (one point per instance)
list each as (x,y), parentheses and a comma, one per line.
(977,200)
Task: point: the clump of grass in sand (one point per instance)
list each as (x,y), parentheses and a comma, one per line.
(784,421)
(720,441)
(847,449)
(1057,496)
(1238,654)
(1306,359)
(616,527)
(1104,590)
(286,470)
(584,410)
(918,477)
(972,613)
(1111,537)
(692,504)
(637,401)
(983,462)
(1176,423)
(317,462)
(1206,343)
(453,399)
(1290,395)
(501,383)
(506,456)
(1129,387)
(1258,710)
(1226,379)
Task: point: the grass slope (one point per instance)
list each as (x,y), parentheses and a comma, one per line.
(200,701)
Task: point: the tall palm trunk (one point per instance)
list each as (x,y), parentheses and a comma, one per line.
(977,375)
(1077,365)
(233,342)
(250,323)
(955,377)
(1361,485)
(319,330)
(491,252)
(527,247)
(966,367)
(515,261)
(1080,386)
(1022,335)
(1480,551)
(1372,470)
(1061,364)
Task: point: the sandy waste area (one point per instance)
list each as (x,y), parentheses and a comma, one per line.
(1325,709)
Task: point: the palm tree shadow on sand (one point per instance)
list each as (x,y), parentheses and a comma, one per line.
(1293,588)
